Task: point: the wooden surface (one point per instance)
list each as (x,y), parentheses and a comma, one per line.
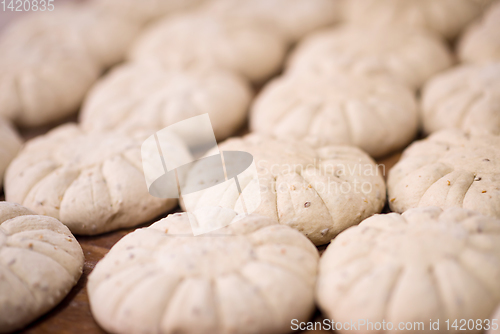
(73,314)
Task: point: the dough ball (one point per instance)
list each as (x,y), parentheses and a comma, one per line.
(448,169)
(380,116)
(422,265)
(411,56)
(243,46)
(41,78)
(466,97)
(49,60)
(105,36)
(481,41)
(252,276)
(148,96)
(40,261)
(446,18)
(10,143)
(318,191)
(292,18)
(93,183)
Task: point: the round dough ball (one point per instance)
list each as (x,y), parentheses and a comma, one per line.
(411,56)
(444,17)
(448,169)
(466,97)
(292,18)
(318,191)
(243,46)
(92,183)
(252,276)
(105,36)
(481,41)
(148,96)
(144,11)
(43,75)
(10,143)
(379,116)
(425,264)
(40,261)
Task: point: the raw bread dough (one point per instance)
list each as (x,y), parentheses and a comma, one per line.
(105,36)
(144,11)
(40,261)
(41,79)
(448,169)
(446,18)
(292,18)
(318,191)
(10,143)
(246,47)
(411,56)
(481,41)
(425,264)
(377,115)
(466,97)
(252,276)
(147,96)
(49,60)
(93,183)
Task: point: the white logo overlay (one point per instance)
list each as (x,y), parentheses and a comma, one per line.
(168,160)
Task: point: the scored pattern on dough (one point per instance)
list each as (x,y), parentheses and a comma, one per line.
(50,60)
(149,96)
(223,41)
(466,97)
(405,55)
(316,191)
(376,115)
(447,256)
(253,273)
(40,261)
(92,182)
(449,169)
(481,41)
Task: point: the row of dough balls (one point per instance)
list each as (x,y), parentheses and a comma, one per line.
(391,267)
(330,95)
(85,39)
(40,261)
(120,100)
(255,276)
(346,85)
(221,34)
(94,182)
(202,61)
